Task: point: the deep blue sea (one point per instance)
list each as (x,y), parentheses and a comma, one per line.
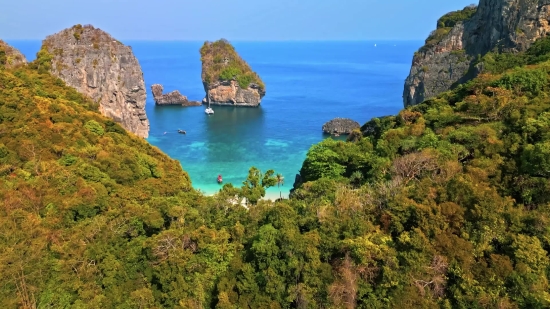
(307,84)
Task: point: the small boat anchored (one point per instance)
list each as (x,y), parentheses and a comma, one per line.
(182,132)
(220,180)
(209,110)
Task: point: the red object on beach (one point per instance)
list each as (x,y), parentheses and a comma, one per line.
(220,179)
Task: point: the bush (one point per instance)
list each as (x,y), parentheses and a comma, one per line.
(524,80)
(94,127)
(452,18)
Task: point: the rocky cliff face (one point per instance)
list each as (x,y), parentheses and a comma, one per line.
(227,78)
(172,98)
(9,56)
(106,70)
(228,92)
(503,25)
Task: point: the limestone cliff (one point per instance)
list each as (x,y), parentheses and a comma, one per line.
(172,98)
(449,56)
(9,56)
(228,79)
(103,68)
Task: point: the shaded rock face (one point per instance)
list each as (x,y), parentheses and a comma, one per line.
(504,25)
(106,70)
(10,57)
(230,93)
(172,98)
(340,126)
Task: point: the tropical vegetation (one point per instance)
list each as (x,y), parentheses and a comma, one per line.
(444,205)
(220,62)
(446,23)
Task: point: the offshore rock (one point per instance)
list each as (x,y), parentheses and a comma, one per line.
(10,57)
(227,78)
(172,98)
(339,126)
(230,93)
(449,56)
(99,66)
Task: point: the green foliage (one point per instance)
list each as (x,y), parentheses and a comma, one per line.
(229,73)
(444,205)
(77,31)
(94,127)
(452,188)
(3,58)
(446,23)
(497,63)
(254,186)
(530,81)
(221,62)
(452,18)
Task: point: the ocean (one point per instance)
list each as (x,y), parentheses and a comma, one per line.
(307,84)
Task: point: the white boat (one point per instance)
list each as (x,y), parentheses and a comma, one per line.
(209,111)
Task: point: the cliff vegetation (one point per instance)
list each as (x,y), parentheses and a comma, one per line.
(458,184)
(221,62)
(444,205)
(9,56)
(446,23)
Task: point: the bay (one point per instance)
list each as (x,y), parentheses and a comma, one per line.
(307,84)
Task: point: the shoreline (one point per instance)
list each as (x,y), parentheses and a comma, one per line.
(270,194)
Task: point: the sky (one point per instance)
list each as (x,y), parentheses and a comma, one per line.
(244,20)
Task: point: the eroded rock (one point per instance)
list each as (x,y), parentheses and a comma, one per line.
(338,126)
(99,66)
(172,98)
(504,25)
(227,78)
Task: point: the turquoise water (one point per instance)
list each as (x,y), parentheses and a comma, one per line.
(307,83)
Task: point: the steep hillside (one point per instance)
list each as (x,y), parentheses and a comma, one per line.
(446,204)
(451,51)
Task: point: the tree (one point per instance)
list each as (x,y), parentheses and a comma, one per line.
(280,182)
(254,186)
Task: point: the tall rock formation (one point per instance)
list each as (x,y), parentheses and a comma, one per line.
(227,78)
(449,56)
(9,56)
(97,65)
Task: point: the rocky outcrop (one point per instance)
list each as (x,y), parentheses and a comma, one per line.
(503,25)
(228,92)
(172,98)
(10,57)
(104,69)
(227,78)
(339,126)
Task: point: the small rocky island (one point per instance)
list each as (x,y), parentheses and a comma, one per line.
(172,98)
(339,126)
(9,56)
(99,66)
(227,78)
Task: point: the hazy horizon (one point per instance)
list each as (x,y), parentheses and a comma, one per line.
(238,20)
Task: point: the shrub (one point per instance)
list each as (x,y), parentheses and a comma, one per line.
(524,80)
(94,127)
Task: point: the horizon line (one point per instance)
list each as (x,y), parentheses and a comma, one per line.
(248,40)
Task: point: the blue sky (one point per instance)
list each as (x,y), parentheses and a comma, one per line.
(231,19)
